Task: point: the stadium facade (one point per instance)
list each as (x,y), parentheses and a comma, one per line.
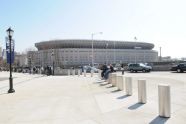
(78,52)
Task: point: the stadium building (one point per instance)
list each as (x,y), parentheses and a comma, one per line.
(78,52)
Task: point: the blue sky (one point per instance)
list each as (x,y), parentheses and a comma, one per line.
(162,22)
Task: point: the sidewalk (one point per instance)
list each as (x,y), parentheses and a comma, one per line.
(82,100)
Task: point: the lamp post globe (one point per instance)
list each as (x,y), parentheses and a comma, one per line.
(10,32)
(11,47)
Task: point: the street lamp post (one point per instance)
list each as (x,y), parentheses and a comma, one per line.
(144,61)
(52,62)
(30,63)
(114,53)
(135,48)
(10,34)
(160,55)
(92,36)
(106,54)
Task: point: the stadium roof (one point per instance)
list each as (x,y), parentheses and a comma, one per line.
(97,44)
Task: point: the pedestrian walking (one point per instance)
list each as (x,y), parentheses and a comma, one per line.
(122,69)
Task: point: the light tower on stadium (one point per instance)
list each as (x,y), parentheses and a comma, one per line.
(92,36)
(52,57)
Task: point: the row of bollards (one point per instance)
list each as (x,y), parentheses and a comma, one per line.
(142,92)
(164,100)
(123,82)
(72,72)
(120,83)
(128,85)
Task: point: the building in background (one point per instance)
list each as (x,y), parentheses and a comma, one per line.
(166,58)
(1,52)
(78,52)
(1,58)
(20,60)
(4,54)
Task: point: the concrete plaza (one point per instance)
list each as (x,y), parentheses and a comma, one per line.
(87,100)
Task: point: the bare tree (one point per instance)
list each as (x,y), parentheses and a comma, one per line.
(29,49)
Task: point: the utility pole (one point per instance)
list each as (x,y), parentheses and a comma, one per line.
(160,54)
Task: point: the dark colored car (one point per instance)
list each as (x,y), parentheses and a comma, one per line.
(139,67)
(179,68)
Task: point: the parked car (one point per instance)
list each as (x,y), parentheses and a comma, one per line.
(89,68)
(139,67)
(117,67)
(179,68)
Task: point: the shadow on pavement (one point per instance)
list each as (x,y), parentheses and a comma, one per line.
(114,91)
(110,86)
(2,79)
(159,120)
(123,97)
(101,81)
(135,106)
(104,84)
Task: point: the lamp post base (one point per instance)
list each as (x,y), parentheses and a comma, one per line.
(11,91)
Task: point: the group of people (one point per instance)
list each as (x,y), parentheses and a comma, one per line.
(106,70)
(41,70)
(109,69)
(47,70)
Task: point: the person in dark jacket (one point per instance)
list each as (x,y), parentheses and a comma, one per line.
(104,69)
(111,68)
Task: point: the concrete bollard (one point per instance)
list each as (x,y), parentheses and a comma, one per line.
(120,82)
(142,95)
(128,85)
(99,74)
(164,100)
(68,72)
(84,72)
(78,72)
(73,72)
(110,78)
(113,79)
(92,73)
